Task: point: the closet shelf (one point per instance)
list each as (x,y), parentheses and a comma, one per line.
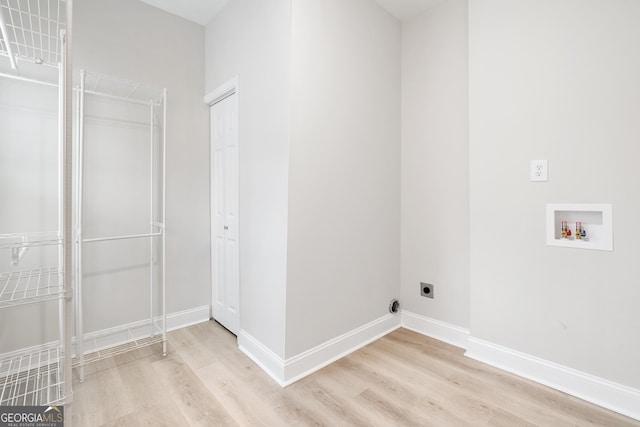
(27,286)
(28,240)
(116,88)
(118,350)
(32,379)
(31,31)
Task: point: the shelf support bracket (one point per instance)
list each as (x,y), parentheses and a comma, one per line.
(17,252)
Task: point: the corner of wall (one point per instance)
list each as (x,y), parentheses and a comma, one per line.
(286,372)
(442,331)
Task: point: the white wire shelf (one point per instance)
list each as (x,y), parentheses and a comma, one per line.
(117,88)
(119,340)
(31,30)
(23,287)
(27,240)
(117,350)
(32,379)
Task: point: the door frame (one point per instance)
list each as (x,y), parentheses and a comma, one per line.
(226,89)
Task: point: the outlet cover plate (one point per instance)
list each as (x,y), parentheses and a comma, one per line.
(539,171)
(426,289)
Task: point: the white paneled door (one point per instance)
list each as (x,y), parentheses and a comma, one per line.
(224,213)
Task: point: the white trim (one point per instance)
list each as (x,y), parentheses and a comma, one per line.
(616,397)
(442,331)
(224,90)
(286,372)
(312,360)
(266,359)
(182,319)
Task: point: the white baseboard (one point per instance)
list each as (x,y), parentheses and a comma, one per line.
(306,363)
(266,359)
(442,331)
(616,397)
(184,318)
(286,372)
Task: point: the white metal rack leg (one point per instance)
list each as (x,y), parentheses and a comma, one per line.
(79,235)
(65,216)
(164,217)
(151,214)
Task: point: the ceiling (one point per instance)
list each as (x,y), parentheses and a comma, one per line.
(198,11)
(201,11)
(406,9)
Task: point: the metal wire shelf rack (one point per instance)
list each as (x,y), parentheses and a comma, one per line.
(26,286)
(30,31)
(34,37)
(32,379)
(94,86)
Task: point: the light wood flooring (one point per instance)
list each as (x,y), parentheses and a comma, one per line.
(403,379)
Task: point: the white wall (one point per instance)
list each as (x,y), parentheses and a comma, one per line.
(344,173)
(558,81)
(435,168)
(548,94)
(250,39)
(131,40)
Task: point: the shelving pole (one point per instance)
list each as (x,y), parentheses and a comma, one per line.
(67,85)
(164,219)
(61,194)
(151,217)
(79,231)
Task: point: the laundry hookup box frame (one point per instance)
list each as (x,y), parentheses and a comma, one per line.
(596,220)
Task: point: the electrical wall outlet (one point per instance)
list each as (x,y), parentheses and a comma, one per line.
(539,170)
(426,290)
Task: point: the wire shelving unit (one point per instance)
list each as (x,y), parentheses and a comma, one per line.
(91,347)
(34,37)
